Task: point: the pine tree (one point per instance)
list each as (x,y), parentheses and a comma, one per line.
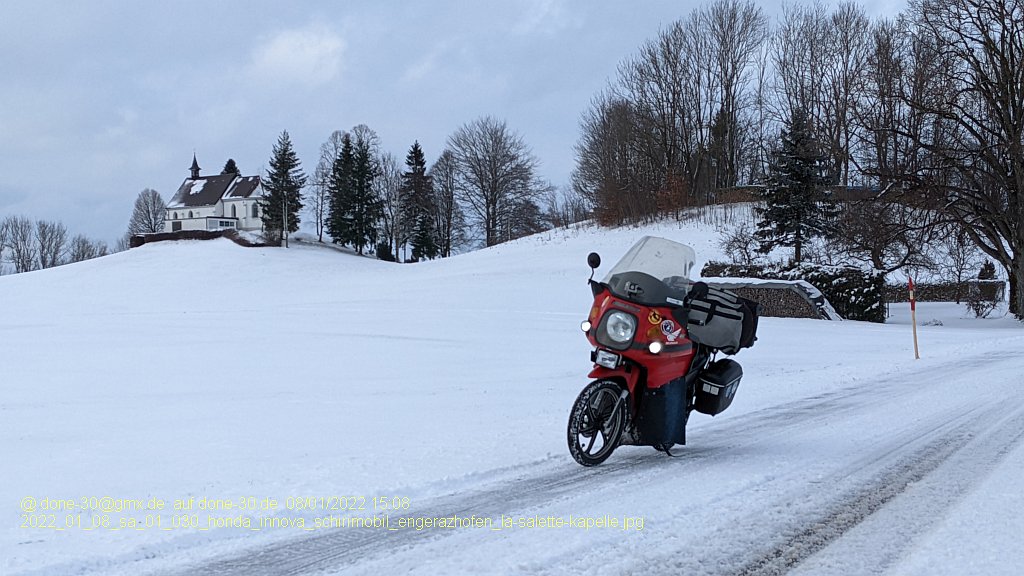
(355,209)
(798,205)
(283,185)
(424,239)
(419,207)
(340,192)
(231,168)
(365,210)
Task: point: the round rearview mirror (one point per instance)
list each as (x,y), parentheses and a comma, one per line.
(594,260)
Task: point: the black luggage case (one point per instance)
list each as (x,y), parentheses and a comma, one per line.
(717,385)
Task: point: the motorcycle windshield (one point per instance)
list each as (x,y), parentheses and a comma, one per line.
(668,261)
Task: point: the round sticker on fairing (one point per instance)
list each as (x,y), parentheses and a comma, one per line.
(654,317)
(668,328)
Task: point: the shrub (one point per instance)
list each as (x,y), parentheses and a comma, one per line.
(979,300)
(384,252)
(988,271)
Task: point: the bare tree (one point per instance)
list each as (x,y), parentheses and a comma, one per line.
(960,257)
(148,214)
(762,131)
(888,234)
(3,243)
(51,242)
(388,185)
(892,72)
(671,88)
(319,205)
(800,49)
(820,61)
(495,171)
(450,220)
(680,121)
(845,69)
(81,248)
(612,173)
(123,243)
(21,243)
(565,206)
(975,111)
(740,244)
(738,29)
(363,135)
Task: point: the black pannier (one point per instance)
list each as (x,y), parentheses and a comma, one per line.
(716,386)
(720,319)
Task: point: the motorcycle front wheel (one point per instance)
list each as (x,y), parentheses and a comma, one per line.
(595,425)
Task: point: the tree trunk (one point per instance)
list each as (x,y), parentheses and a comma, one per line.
(1016,283)
(797,244)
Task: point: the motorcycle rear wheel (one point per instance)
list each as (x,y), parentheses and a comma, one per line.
(595,426)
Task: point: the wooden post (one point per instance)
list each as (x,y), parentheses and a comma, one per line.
(913,317)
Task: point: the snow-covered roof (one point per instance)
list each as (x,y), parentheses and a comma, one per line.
(208,190)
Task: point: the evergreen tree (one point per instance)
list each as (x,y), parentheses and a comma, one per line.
(231,168)
(418,206)
(988,271)
(283,186)
(424,239)
(798,205)
(339,188)
(364,210)
(355,208)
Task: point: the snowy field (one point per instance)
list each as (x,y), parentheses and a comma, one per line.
(202,370)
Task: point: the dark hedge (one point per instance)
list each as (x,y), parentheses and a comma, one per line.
(946,291)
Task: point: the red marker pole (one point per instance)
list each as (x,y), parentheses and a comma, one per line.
(913,316)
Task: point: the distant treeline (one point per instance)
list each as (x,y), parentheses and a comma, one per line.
(26,245)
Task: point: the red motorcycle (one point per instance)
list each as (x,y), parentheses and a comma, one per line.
(655,335)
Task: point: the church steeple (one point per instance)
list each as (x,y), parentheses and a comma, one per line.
(195,167)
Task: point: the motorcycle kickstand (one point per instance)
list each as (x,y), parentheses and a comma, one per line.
(666,450)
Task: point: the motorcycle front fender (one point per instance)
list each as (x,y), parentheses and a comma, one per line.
(629,378)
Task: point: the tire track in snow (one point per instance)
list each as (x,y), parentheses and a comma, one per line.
(543,483)
(918,489)
(973,444)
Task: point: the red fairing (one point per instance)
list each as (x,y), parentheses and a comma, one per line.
(602,373)
(654,324)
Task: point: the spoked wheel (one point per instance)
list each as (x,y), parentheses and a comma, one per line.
(595,425)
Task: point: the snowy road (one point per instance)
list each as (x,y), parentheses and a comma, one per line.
(838,483)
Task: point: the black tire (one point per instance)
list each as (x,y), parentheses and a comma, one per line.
(595,427)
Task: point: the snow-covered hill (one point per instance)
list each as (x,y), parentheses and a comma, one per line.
(206,370)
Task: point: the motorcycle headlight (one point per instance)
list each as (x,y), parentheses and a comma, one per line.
(621,327)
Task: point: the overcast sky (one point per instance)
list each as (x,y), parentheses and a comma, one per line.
(101,99)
